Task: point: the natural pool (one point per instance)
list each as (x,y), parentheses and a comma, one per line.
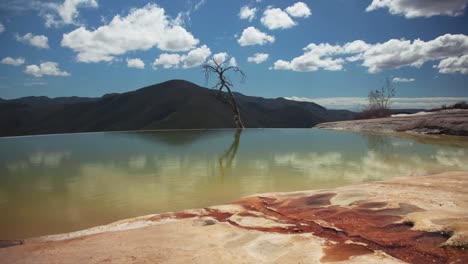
(61,183)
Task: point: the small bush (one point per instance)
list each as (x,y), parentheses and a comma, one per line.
(459,105)
(379,102)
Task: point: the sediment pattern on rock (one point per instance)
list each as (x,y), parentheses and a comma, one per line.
(446,122)
(419,219)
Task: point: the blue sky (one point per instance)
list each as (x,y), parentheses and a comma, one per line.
(303,50)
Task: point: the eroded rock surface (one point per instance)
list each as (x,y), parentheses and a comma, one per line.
(418,219)
(446,122)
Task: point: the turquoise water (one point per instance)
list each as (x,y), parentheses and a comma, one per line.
(61,183)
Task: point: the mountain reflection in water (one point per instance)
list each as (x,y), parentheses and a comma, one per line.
(60,183)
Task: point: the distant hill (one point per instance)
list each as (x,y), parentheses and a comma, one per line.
(174,104)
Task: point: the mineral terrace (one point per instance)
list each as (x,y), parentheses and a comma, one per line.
(418,219)
(445,122)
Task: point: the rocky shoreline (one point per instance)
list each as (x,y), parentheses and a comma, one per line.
(445,122)
(416,219)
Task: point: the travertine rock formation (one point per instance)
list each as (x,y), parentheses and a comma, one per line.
(418,219)
(447,122)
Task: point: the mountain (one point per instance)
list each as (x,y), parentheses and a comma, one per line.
(174,104)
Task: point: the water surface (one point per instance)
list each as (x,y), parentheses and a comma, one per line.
(61,183)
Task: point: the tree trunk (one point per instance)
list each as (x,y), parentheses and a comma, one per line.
(235,109)
(223,82)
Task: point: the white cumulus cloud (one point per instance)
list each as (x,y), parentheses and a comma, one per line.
(46,68)
(356,46)
(12,61)
(167,61)
(220,57)
(275,18)
(65,13)
(315,57)
(258,58)
(252,36)
(299,9)
(192,59)
(420,8)
(223,58)
(403,80)
(39,41)
(397,53)
(449,49)
(247,13)
(195,57)
(135,63)
(142,29)
(454,65)
(232,62)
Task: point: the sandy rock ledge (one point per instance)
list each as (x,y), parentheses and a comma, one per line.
(445,122)
(418,219)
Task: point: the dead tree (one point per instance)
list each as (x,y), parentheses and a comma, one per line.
(379,102)
(380,99)
(220,71)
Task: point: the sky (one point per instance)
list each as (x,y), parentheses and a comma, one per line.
(332,52)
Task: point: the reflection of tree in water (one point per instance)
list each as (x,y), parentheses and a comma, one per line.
(379,144)
(225,161)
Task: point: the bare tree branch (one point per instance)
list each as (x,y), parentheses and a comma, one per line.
(380,100)
(224,82)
